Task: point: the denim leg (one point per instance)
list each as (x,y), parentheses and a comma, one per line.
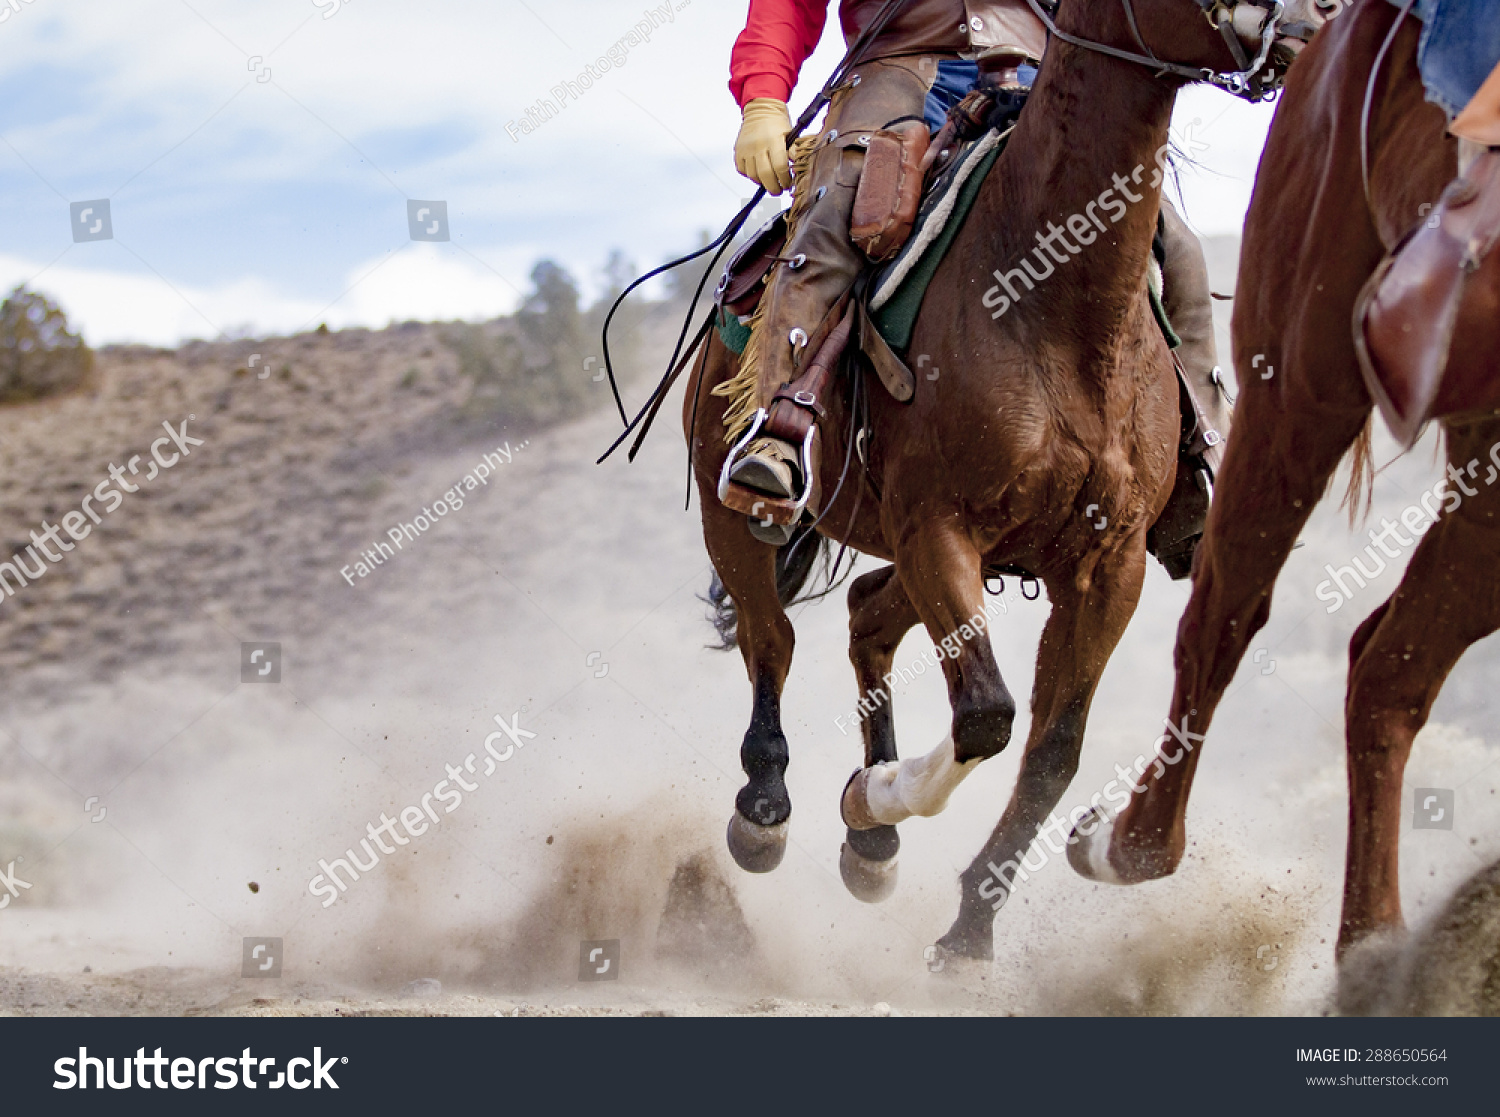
(955,78)
(1460,47)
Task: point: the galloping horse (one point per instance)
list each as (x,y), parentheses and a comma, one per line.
(1311,242)
(1049,443)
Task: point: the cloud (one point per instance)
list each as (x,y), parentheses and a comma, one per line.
(424,281)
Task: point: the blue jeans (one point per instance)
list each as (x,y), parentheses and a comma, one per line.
(1460,47)
(955,78)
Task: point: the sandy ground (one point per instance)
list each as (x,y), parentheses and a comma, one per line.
(564,597)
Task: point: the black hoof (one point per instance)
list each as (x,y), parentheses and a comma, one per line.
(756,849)
(774,535)
(971,944)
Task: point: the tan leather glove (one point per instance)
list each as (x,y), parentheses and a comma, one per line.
(760,152)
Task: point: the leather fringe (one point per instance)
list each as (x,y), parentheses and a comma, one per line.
(743,389)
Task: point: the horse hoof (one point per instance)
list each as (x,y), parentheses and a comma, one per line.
(1088,849)
(867,880)
(854,805)
(756,849)
(958,968)
(774,535)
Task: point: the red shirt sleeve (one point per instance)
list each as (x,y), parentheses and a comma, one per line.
(779,36)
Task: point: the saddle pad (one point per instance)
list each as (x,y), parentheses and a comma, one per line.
(901,286)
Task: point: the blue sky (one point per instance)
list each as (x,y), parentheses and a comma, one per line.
(265,206)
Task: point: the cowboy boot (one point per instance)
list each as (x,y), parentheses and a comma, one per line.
(1425,324)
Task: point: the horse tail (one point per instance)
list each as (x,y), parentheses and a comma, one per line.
(795,562)
(1360,496)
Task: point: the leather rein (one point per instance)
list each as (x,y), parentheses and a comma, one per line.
(647,414)
(1220,14)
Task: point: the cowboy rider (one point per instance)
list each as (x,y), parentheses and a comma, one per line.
(923,60)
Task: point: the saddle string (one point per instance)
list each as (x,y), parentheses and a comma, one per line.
(721,243)
(660,397)
(851,59)
(697,390)
(858,406)
(1364,116)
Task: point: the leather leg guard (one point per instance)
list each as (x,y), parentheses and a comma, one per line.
(1426,323)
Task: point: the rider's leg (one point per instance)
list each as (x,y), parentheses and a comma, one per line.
(1189,305)
(820,262)
(1424,322)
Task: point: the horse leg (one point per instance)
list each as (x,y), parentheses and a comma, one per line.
(747,567)
(1277,467)
(880,615)
(1398,660)
(1090,610)
(940,568)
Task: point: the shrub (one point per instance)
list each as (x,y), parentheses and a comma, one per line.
(529,367)
(39,356)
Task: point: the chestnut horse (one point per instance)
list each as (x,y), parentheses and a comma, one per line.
(1311,242)
(1048,441)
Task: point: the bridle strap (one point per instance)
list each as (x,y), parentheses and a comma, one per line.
(1190,72)
(1236,83)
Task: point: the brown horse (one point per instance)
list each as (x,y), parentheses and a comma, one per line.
(1047,441)
(1311,242)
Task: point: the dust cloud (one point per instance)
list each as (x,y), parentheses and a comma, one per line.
(565,597)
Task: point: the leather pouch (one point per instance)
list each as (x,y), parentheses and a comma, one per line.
(743,280)
(890,190)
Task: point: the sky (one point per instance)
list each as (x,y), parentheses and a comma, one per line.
(258,157)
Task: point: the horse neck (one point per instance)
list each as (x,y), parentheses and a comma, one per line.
(1091,123)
